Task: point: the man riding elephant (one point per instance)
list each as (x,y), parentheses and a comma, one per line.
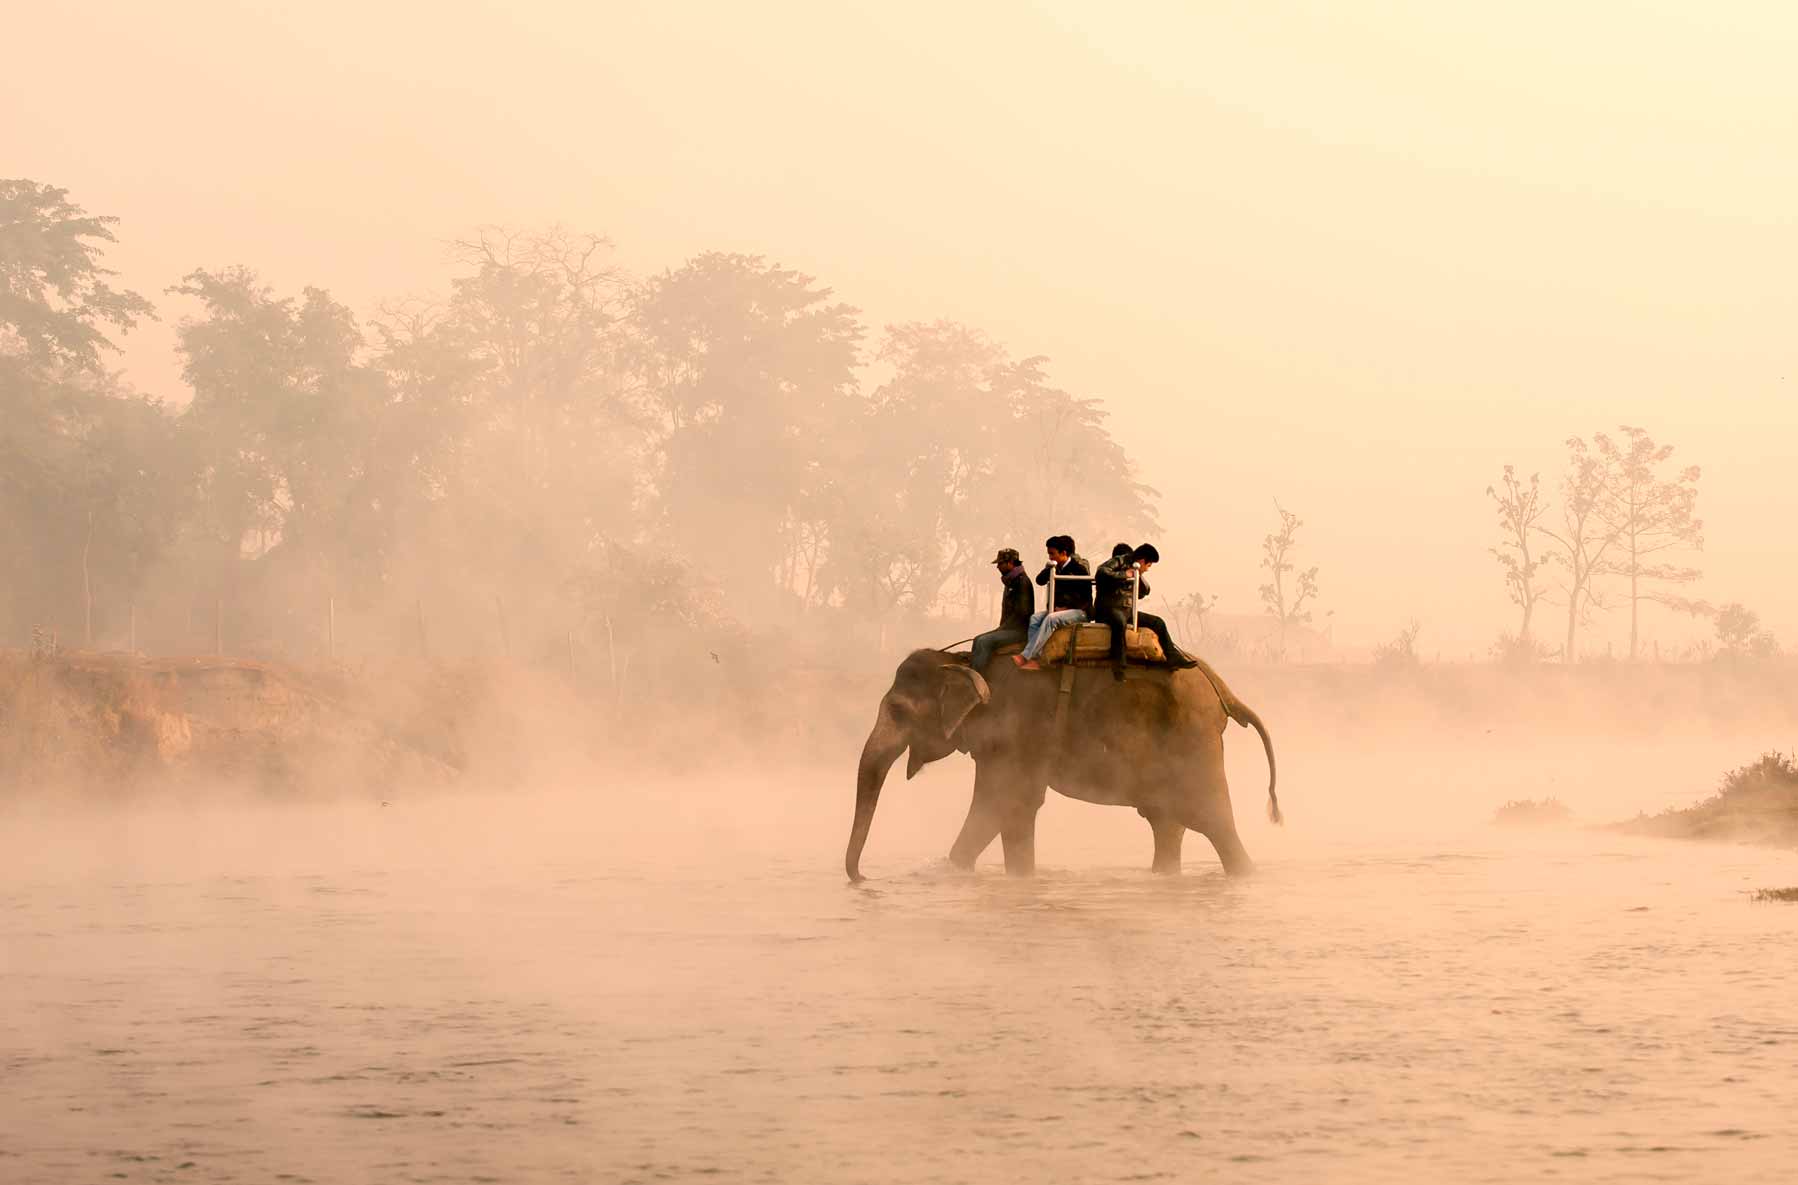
(1015,609)
(1073,599)
(1120,584)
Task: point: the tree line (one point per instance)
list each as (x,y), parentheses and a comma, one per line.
(550,437)
(551,447)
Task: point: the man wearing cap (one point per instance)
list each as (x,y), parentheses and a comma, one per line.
(1014,610)
(1073,598)
(1119,583)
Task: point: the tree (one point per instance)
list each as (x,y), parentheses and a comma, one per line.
(751,367)
(131,496)
(281,429)
(1188,615)
(1739,633)
(85,496)
(1400,653)
(1584,537)
(963,451)
(541,320)
(1288,592)
(56,301)
(919,477)
(1649,515)
(518,435)
(1520,508)
(1074,475)
(548,477)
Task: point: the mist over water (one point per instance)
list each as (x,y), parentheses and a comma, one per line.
(640,979)
(468,473)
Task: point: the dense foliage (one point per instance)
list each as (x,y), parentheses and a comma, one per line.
(553,448)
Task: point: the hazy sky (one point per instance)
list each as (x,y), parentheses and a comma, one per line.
(1354,256)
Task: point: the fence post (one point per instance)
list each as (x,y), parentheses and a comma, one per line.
(612,656)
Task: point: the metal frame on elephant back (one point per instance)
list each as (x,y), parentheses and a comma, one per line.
(1135,589)
(1073,657)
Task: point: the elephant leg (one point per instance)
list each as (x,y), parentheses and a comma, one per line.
(1169,834)
(1229,847)
(978,830)
(1208,809)
(1019,836)
(1017,824)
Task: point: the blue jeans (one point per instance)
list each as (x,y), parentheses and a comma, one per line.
(1042,625)
(986,643)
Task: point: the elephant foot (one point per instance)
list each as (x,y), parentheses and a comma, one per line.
(1020,855)
(1234,857)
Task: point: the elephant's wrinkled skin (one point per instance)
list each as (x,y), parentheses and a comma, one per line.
(1154,742)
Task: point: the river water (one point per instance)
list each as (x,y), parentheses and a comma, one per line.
(528,987)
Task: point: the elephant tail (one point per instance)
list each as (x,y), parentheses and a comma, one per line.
(1244,715)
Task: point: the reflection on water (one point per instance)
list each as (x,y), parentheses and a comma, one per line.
(1493,1008)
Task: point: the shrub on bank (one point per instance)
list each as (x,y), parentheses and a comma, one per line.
(1758,803)
(1528,812)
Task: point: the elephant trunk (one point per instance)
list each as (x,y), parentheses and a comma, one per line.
(883,746)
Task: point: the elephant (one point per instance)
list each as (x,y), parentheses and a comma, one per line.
(1153,742)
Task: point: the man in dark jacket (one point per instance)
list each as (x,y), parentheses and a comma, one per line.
(1119,584)
(1014,610)
(1073,598)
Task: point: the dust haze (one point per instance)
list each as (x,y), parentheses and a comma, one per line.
(471,473)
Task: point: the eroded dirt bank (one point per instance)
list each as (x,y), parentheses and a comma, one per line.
(99,722)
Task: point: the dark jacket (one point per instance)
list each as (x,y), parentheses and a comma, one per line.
(1072,594)
(1114,587)
(1019,602)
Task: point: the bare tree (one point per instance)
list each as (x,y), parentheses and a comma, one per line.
(1649,515)
(1288,592)
(1401,652)
(1584,537)
(1520,507)
(1189,613)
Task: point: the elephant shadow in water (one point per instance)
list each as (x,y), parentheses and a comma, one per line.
(1154,742)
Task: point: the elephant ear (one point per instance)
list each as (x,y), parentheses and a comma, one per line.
(963,690)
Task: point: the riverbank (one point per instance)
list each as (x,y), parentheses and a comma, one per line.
(115,723)
(1757,803)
